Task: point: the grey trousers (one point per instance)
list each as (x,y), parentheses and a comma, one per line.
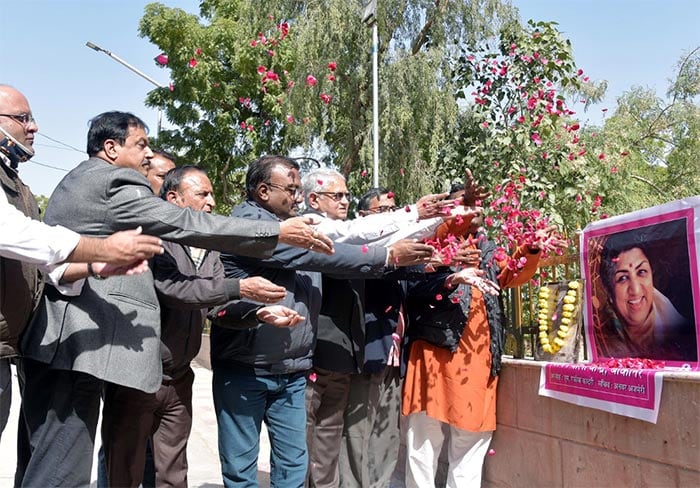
(371,436)
(326,398)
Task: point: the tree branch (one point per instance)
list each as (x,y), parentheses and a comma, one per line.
(648,182)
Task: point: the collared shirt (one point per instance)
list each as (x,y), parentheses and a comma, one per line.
(33,241)
(383,229)
(197,254)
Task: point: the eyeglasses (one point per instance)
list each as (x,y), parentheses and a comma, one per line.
(336,195)
(382,209)
(24,119)
(294,192)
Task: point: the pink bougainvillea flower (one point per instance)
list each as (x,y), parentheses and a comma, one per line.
(162,59)
(438,297)
(192,63)
(171,87)
(331,78)
(253,43)
(198,51)
(332,65)
(624,153)
(267,122)
(579,72)
(536,139)
(312,377)
(390,194)
(325,98)
(311,80)
(585,79)
(290,119)
(407,209)
(578,198)
(485,125)
(270,52)
(601,156)
(262,70)
(365,248)
(613,170)
(320,182)
(363,173)
(242,124)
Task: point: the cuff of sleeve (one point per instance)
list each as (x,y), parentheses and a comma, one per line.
(67,289)
(232,288)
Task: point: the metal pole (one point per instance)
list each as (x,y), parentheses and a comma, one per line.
(132,68)
(375,103)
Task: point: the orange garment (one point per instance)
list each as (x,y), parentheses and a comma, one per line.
(457,388)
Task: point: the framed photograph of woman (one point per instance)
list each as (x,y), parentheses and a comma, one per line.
(642,285)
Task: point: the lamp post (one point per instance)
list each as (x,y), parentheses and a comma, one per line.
(132,68)
(369,18)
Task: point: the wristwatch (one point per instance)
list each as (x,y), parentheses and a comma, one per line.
(93,274)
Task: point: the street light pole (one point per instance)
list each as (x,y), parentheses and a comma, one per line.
(375,103)
(369,18)
(132,68)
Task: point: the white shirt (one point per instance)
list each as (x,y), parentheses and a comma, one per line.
(25,239)
(32,241)
(382,229)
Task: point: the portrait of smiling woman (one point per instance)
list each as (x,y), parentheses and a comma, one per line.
(645,312)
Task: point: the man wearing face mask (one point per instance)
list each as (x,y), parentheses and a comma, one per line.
(27,246)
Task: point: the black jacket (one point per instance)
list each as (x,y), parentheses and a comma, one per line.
(274,350)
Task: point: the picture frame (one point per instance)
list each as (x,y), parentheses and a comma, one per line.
(642,285)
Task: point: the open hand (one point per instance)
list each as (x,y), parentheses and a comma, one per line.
(105,270)
(473,277)
(434,205)
(261,290)
(409,252)
(280,316)
(298,232)
(126,247)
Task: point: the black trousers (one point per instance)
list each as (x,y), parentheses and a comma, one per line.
(60,410)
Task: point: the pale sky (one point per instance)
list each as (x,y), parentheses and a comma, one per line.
(627,42)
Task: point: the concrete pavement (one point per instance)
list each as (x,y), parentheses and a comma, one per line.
(202,451)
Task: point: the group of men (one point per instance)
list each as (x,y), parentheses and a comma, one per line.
(308,314)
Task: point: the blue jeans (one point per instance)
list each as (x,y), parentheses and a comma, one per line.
(242,401)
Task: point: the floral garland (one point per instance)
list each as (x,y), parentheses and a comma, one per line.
(552,345)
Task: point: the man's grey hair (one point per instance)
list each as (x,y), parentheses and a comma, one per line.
(318,180)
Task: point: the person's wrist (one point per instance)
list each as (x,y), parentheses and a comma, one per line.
(94,274)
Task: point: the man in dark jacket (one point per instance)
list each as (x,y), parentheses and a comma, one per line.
(111,330)
(187,279)
(260,373)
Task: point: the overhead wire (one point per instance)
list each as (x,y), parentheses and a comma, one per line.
(67,147)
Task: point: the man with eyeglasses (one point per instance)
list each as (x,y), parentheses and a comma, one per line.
(371,436)
(110,331)
(260,374)
(340,341)
(30,249)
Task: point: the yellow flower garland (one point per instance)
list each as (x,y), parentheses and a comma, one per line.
(568,317)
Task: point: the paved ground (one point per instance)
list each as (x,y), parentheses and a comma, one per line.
(202,452)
